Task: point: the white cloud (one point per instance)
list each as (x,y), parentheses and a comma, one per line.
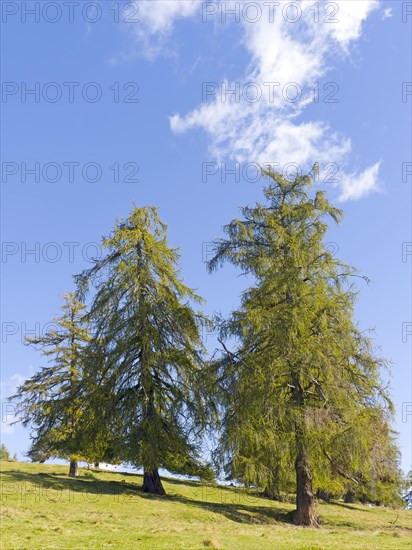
(269,130)
(351,16)
(358,185)
(159,16)
(263,136)
(155,22)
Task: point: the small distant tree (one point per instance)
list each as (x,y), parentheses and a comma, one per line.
(407,497)
(149,379)
(301,383)
(5,454)
(53,402)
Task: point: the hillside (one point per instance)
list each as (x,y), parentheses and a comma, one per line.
(43,508)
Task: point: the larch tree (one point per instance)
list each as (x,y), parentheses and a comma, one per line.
(52,402)
(150,384)
(407,486)
(378,477)
(299,381)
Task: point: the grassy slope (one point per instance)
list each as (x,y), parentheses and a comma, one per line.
(43,508)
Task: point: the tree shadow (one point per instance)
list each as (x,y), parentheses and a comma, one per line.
(251,514)
(87,483)
(189,482)
(349,507)
(172,480)
(239,512)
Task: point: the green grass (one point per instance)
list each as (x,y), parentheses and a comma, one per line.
(42,508)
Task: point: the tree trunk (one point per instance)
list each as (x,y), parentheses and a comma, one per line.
(152,483)
(305,501)
(73,470)
(349,497)
(151,479)
(323,495)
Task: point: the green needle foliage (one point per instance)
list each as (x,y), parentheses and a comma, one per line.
(301,389)
(407,497)
(53,402)
(149,378)
(5,455)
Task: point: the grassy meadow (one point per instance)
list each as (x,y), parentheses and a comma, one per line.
(42,508)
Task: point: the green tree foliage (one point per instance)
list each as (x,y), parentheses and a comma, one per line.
(379,477)
(53,402)
(149,378)
(301,387)
(407,497)
(5,454)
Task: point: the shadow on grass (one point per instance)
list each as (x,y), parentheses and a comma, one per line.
(249,513)
(349,507)
(239,512)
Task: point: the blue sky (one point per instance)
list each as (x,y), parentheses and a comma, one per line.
(177,148)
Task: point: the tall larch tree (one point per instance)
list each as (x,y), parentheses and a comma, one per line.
(150,381)
(52,402)
(300,382)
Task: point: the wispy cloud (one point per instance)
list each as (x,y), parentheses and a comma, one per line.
(156,21)
(271,129)
(387,12)
(358,185)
